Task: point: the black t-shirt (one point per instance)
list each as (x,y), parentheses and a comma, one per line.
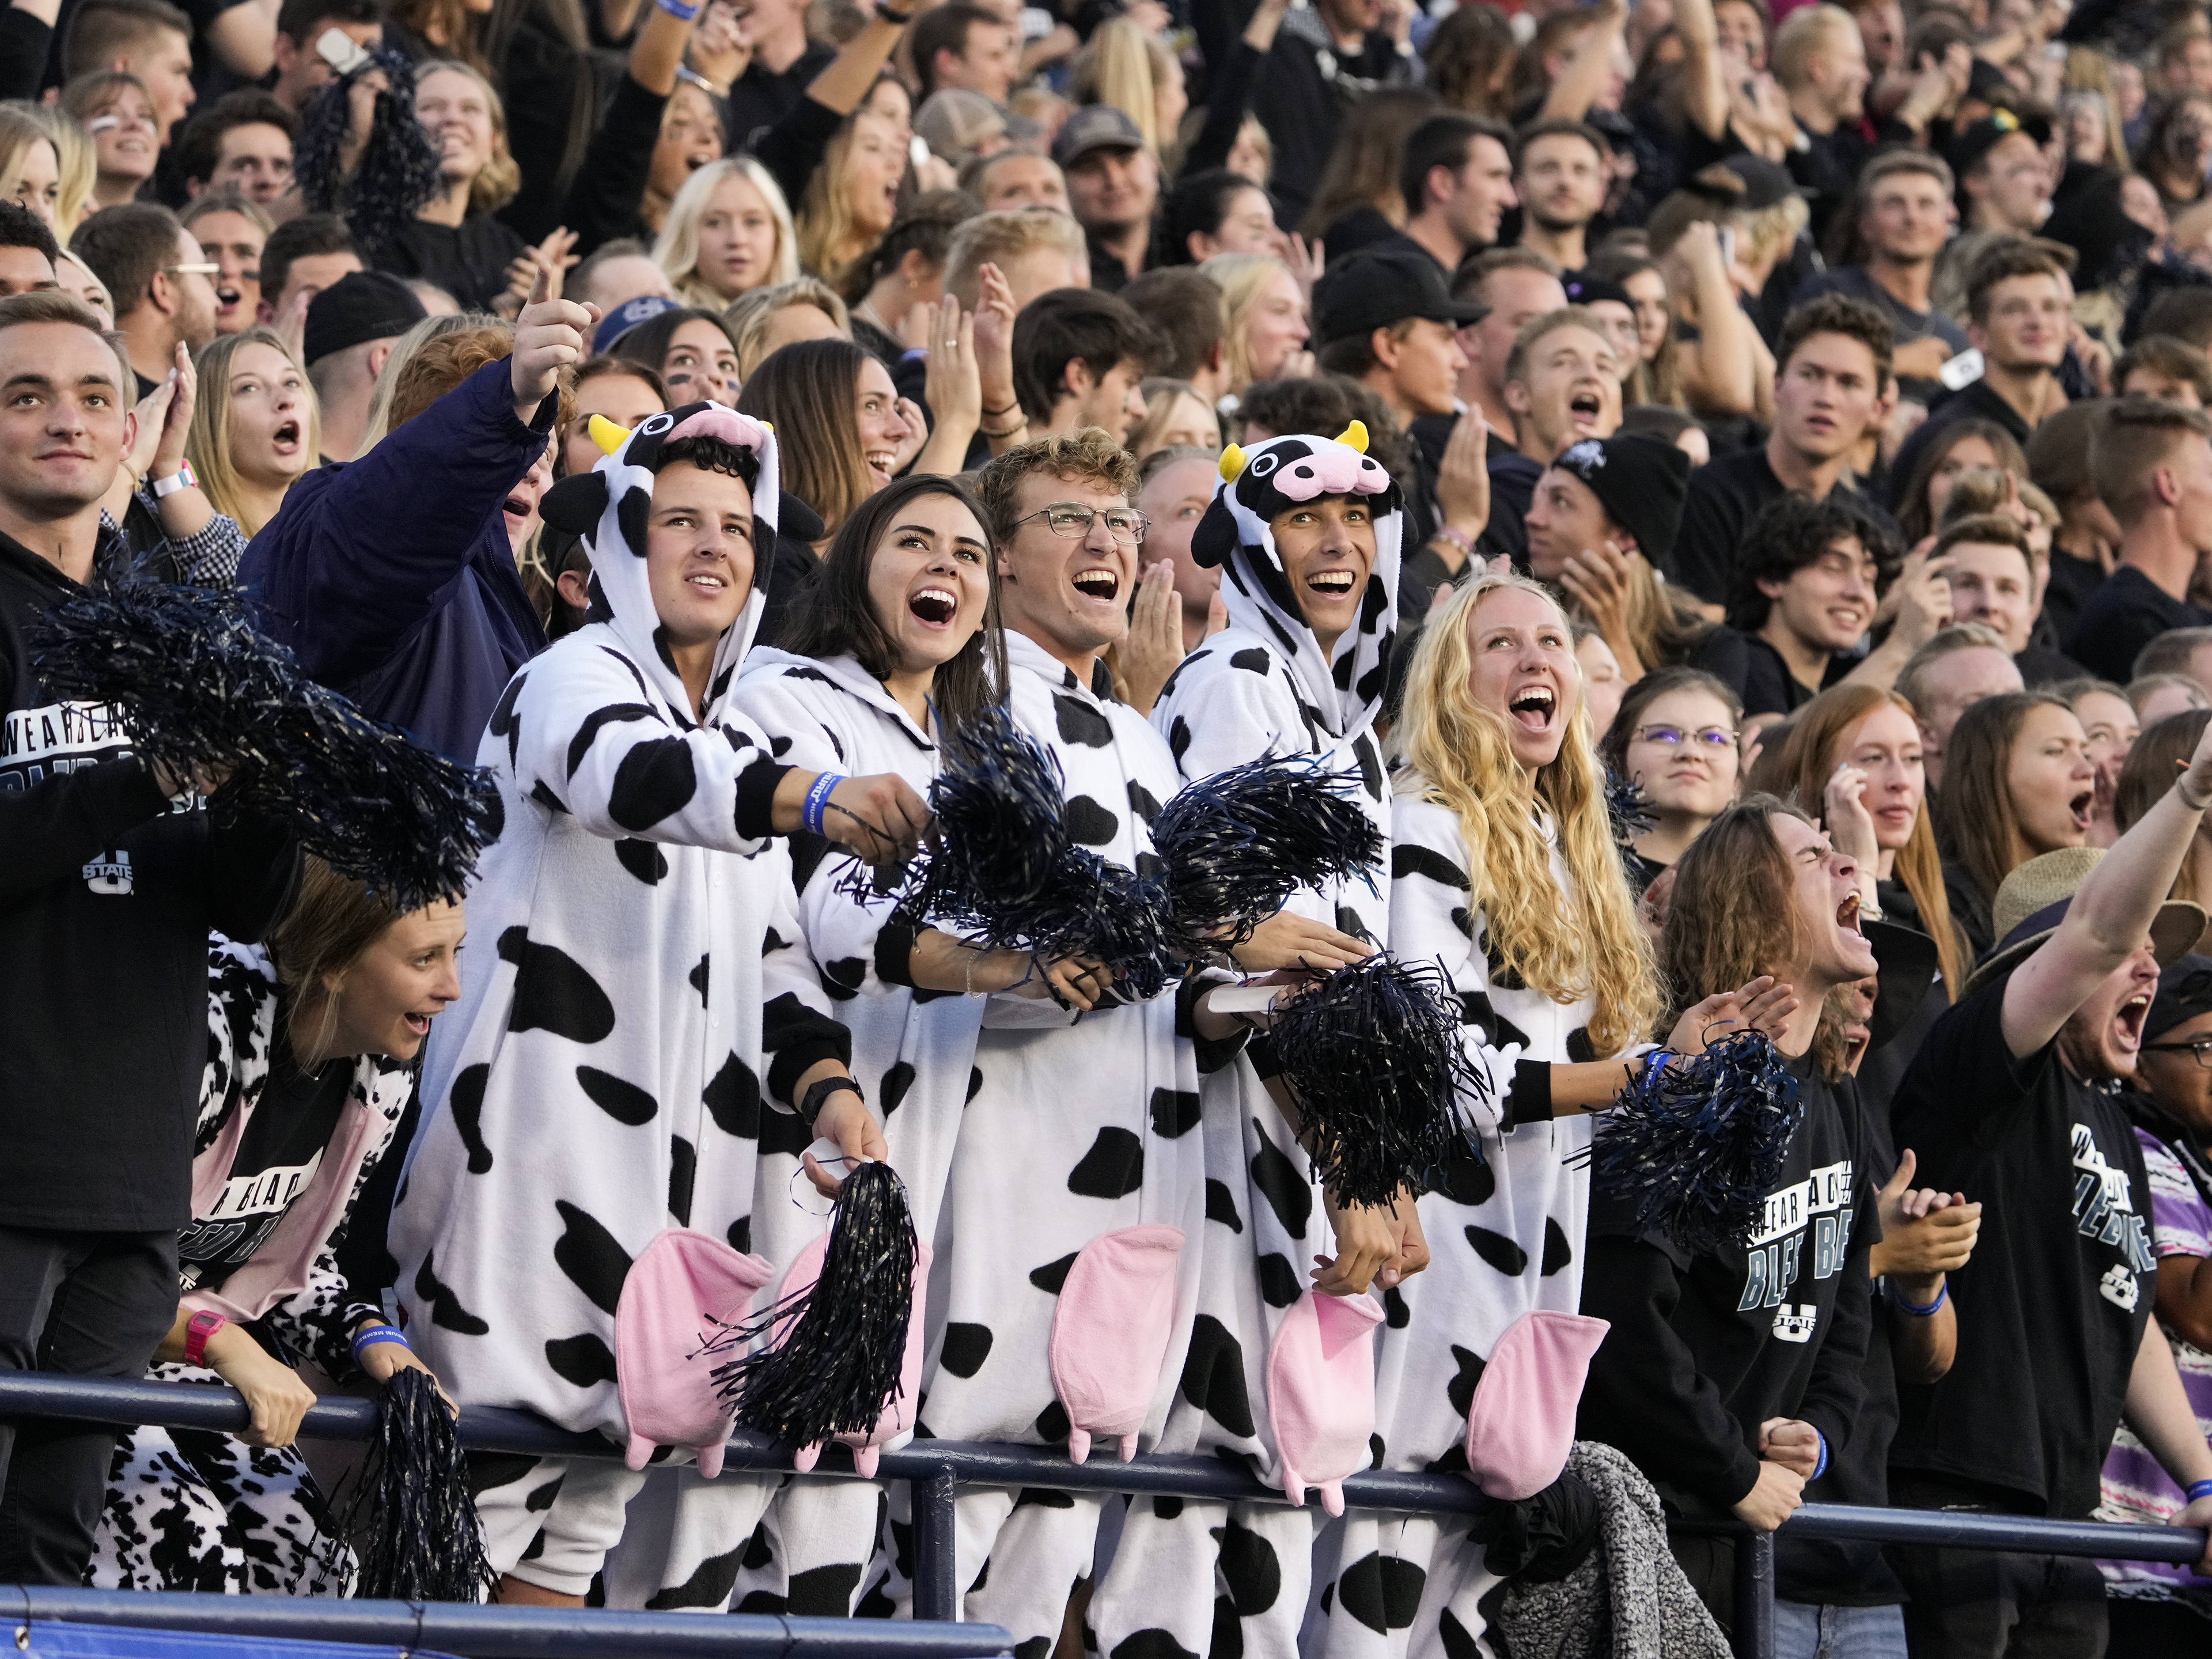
(1852,1572)
(1705,1348)
(761,97)
(2126,613)
(2072,581)
(276,1158)
(1726,494)
(1757,672)
(469,262)
(1512,487)
(2052,1307)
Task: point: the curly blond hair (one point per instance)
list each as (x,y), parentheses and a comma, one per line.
(1088,454)
(1584,941)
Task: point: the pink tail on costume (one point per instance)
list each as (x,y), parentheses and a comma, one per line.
(1521,1424)
(897,1416)
(679,1287)
(1321,1394)
(1109,1333)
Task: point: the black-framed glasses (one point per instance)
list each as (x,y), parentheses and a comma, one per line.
(1073,520)
(1712,738)
(2200,1047)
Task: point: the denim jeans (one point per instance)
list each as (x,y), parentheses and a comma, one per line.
(1803,1631)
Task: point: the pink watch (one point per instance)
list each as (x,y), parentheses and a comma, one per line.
(202,1325)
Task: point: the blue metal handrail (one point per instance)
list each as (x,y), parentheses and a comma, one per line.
(935,1469)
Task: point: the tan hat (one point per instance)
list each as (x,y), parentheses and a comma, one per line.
(2032,901)
(955,121)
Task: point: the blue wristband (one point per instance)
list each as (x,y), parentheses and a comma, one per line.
(375,1334)
(1821,1468)
(1942,1292)
(678,9)
(2197,1489)
(818,800)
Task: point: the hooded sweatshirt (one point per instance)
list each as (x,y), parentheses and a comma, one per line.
(107,899)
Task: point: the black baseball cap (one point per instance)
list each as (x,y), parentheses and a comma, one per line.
(1375,290)
(1091,128)
(361,305)
(1986,134)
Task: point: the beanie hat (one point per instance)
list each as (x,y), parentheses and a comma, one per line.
(1641,481)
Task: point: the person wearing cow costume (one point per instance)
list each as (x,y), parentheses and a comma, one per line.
(1307,532)
(642,1001)
(1061,1308)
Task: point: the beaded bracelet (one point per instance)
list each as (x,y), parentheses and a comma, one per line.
(371,1335)
(818,800)
(1915,1309)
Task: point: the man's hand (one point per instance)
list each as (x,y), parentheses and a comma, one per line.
(1149,652)
(1287,939)
(1463,478)
(1793,1444)
(1925,1234)
(550,335)
(1775,1497)
(1764,1004)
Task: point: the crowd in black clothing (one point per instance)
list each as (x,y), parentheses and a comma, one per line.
(1836,372)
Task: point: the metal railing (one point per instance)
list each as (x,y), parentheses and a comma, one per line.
(934,1470)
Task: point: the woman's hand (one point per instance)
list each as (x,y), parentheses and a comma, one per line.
(552,254)
(1073,982)
(994,355)
(845,1119)
(1373,1245)
(1764,1004)
(917,435)
(953,388)
(1296,365)
(1463,478)
(385,1360)
(1287,939)
(1306,260)
(878,816)
(273,1393)
(177,419)
(1598,579)
(1849,824)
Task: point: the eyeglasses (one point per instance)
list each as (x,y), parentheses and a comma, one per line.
(1714,738)
(1073,520)
(2200,1047)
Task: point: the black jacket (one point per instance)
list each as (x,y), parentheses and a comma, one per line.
(107,894)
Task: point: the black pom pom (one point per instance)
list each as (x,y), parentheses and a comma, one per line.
(834,1366)
(1628,808)
(423,1541)
(198,689)
(1239,843)
(1373,1057)
(1694,1147)
(398,170)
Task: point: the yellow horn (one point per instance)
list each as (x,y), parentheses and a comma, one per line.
(1232,462)
(1356,436)
(607,436)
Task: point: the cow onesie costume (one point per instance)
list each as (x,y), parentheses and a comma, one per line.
(638,1008)
(1261,686)
(913,1053)
(1079,1166)
(199,1509)
(1506,1231)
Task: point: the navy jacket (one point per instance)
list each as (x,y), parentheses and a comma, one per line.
(390,578)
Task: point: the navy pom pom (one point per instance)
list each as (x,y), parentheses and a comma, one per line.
(1373,1058)
(398,170)
(1239,843)
(833,1367)
(197,690)
(1628,808)
(423,1541)
(1693,1146)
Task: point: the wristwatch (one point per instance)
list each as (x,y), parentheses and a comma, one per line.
(203,1324)
(183,478)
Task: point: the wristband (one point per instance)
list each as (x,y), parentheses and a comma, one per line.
(811,1103)
(371,1335)
(1821,1468)
(818,800)
(183,478)
(678,11)
(1464,545)
(1913,1307)
(202,1325)
(2197,1489)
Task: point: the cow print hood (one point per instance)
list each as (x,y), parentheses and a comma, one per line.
(608,508)
(1259,484)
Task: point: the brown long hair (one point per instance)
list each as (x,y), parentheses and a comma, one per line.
(808,391)
(1810,755)
(837,618)
(2151,767)
(1975,821)
(1733,916)
(330,928)
(1363,168)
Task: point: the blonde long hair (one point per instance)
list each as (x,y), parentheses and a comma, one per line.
(1123,65)
(1241,277)
(677,249)
(208,441)
(1583,942)
(498,179)
(79,172)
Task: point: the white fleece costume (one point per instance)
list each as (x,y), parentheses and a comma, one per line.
(912,1053)
(1505,1236)
(1077,1125)
(1260,686)
(639,996)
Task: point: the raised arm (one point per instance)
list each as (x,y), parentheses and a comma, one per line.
(2111,915)
(1703,81)
(1583,78)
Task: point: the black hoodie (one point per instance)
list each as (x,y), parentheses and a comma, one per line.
(107,894)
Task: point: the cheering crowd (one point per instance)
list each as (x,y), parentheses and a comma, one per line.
(1726,491)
